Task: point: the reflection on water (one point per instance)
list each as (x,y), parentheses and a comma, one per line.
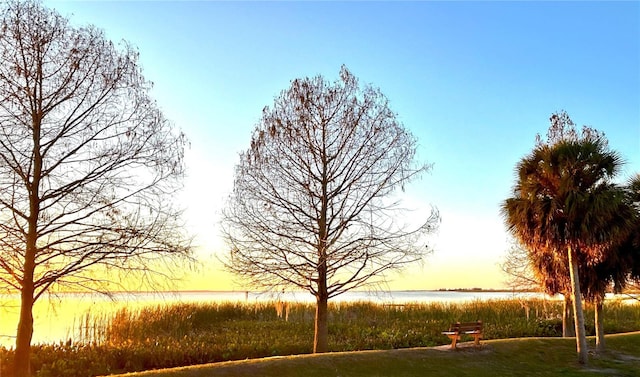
(57,318)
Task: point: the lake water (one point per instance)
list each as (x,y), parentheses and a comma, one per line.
(56,317)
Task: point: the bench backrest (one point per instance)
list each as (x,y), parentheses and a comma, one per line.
(466,326)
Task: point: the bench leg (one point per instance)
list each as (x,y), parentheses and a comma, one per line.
(477,339)
(454,340)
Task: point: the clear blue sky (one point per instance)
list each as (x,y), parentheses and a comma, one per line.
(474,81)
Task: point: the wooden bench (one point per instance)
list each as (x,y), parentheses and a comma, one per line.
(456,330)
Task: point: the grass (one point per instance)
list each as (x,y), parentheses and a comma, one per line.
(506,357)
(188,334)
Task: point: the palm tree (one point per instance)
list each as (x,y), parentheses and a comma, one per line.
(615,269)
(611,272)
(631,247)
(551,271)
(563,203)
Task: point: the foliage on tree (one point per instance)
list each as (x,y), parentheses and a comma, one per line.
(88,164)
(612,271)
(565,207)
(313,205)
(632,245)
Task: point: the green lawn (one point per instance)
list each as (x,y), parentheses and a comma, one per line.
(494,358)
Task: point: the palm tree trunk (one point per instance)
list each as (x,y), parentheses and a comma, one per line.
(581,335)
(599,321)
(568,331)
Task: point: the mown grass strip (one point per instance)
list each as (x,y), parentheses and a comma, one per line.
(507,357)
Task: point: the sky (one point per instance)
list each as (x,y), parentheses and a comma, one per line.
(473,81)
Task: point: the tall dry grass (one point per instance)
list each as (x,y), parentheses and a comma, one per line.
(184,334)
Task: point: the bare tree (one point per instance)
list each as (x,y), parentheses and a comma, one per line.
(519,269)
(88,164)
(312,206)
(537,270)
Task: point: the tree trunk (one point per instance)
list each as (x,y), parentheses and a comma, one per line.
(22,357)
(581,336)
(599,322)
(321,335)
(568,331)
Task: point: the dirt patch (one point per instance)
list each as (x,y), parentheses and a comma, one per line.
(625,357)
(619,356)
(464,347)
(604,371)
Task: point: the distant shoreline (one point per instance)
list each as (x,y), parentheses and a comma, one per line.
(491,290)
(205,291)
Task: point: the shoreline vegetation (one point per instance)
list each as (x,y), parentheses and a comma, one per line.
(181,334)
